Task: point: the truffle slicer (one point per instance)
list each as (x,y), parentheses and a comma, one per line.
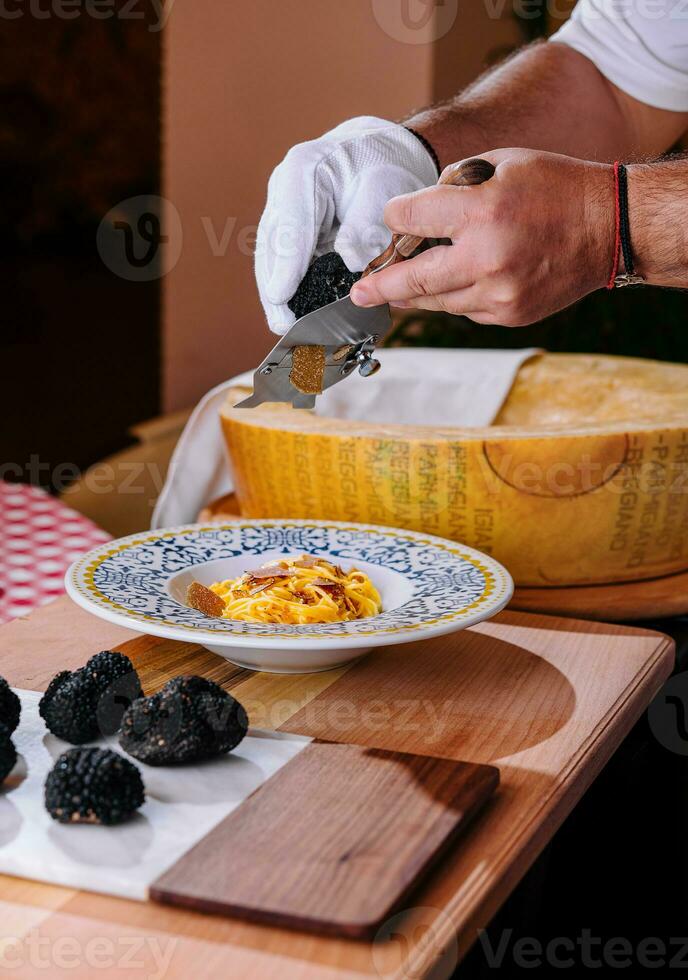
(346,334)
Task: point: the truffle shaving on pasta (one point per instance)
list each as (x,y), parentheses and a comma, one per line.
(299,591)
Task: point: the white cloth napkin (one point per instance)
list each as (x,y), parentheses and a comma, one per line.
(441,387)
(183,804)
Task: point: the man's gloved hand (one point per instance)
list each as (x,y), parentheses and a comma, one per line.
(330,193)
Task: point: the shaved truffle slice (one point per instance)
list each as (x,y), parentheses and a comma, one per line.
(205,600)
(277,570)
(307,598)
(261,586)
(307,561)
(308,369)
(333,589)
(189,720)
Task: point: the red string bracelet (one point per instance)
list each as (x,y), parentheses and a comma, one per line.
(617,234)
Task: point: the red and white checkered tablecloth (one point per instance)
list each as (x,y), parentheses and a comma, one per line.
(39,538)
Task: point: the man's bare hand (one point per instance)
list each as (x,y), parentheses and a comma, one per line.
(530,241)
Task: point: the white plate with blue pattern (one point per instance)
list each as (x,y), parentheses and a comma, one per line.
(428,585)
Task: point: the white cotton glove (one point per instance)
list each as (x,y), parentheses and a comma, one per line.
(329,194)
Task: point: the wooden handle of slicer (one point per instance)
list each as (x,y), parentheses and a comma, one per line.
(475,171)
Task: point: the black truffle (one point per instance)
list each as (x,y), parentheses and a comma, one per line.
(327,279)
(10,706)
(93,786)
(8,753)
(84,704)
(190,719)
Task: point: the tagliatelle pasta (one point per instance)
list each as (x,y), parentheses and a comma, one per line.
(298,591)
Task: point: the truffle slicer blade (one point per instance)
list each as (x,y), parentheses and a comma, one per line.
(348,333)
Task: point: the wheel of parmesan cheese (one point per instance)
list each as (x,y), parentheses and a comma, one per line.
(582,478)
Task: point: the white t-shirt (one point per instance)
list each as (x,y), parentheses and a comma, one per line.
(639,45)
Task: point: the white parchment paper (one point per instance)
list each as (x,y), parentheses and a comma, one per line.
(182,805)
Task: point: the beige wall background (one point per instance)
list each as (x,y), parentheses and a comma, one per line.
(242,83)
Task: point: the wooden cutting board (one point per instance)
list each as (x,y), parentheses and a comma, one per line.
(333,842)
(546,699)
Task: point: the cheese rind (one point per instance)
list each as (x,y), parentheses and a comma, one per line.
(582,479)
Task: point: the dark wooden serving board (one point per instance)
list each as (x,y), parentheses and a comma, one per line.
(333,842)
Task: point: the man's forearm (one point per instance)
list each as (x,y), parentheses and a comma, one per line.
(548,97)
(657,199)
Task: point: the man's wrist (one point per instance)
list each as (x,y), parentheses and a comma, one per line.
(640,237)
(600,222)
(655,193)
(452,132)
(428,146)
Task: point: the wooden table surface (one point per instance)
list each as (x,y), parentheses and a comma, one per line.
(546,699)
